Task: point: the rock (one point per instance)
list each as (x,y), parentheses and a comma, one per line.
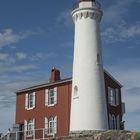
(102,135)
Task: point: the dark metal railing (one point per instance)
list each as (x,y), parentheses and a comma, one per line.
(76,4)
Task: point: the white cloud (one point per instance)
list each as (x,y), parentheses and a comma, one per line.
(7,118)
(20,61)
(9,37)
(17,68)
(66,45)
(131,31)
(116,11)
(8,97)
(42,56)
(121,32)
(64,19)
(21,55)
(6,60)
(116,27)
(133,120)
(3,56)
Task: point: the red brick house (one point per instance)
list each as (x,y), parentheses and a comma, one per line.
(44,110)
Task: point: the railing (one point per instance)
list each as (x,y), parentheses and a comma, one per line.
(76,4)
(37,134)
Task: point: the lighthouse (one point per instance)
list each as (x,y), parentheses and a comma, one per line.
(88,103)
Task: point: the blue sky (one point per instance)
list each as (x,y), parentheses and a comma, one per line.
(38,35)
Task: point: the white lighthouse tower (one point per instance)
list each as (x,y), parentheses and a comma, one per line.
(88,106)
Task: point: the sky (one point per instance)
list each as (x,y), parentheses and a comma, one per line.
(37,35)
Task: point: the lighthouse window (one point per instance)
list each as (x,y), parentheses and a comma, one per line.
(75,91)
(98,59)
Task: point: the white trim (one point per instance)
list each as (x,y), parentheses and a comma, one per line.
(26,101)
(55,124)
(51,128)
(34,99)
(32,125)
(55,95)
(25,125)
(46,97)
(46,125)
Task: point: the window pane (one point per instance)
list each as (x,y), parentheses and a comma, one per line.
(30,100)
(30,127)
(51,125)
(51,97)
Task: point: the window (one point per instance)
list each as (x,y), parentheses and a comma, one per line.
(30,101)
(29,127)
(118,122)
(117,96)
(51,125)
(51,97)
(113,96)
(98,58)
(112,121)
(75,90)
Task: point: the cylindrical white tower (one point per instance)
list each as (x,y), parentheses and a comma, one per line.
(88,103)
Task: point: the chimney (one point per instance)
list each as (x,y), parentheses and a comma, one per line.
(55,75)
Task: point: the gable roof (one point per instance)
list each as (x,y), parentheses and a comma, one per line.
(45,85)
(60,82)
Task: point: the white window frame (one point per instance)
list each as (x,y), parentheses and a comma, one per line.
(30,101)
(51,125)
(49,98)
(29,127)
